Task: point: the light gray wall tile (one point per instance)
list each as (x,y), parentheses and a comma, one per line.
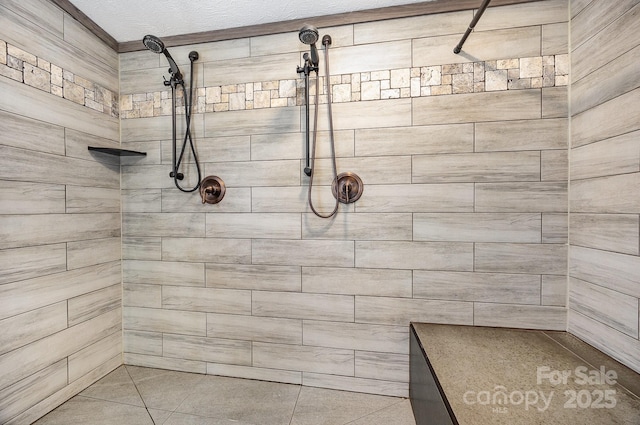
(168,321)
(347,60)
(292,145)
(609,119)
(153,152)
(90,305)
(239,123)
(555,102)
(359,226)
(554,290)
(546,197)
(448,197)
(140,295)
(409,28)
(130,61)
(303,253)
(261,374)
(362,385)
(594,18)
(142,201)
(268,68)
(218,149)
(92,252)
(369,114)
(92,199)
(42,106)
(295,305)
(483,287)
(44,14)
(609,232)
(31,198)
(163,272)
(207,250)
(215,51)
(520,316)
(206,349)
(618,272)
(498,44)
(372,170)
(290,199)
(89,358)
(616,344)
(402,311)
(518,15)
(140,342)
(303,358)
(477,227)
(29,262)
(554,165)
(254,225)
(577,6)
(603,85)
(352,281)
(383,366)
(612,308)
(476,167)
(288,42)
(46,168)
(27,133)
(555,39)
(142,249)
(80,37)
(417,140)
(415,255)
(31,37)
(253,328)
(54,288)
(590,55)
(612,195)
(33,325)
(180,365)
(618,155)
(256,173)
(259,277)
(148,177)
(236,199)
(521,135)
(25,393)
(356,336)
(555,228)
(521,258)
(190,225)
(158,128)
(77,142)
(20,363)
(212,300)
(471,107)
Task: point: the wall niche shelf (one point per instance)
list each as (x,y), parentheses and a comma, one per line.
(117,152)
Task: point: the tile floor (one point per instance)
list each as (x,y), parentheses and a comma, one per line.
(133,395)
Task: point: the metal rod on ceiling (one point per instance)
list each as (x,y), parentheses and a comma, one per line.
(473,23)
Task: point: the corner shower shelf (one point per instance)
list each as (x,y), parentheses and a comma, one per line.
(117,152)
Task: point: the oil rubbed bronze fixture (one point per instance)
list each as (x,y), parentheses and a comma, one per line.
(212,190)
(347,187)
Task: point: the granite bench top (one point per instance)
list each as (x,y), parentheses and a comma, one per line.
(512,377)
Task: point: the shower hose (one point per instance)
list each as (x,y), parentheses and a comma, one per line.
(188,98)
(331,138)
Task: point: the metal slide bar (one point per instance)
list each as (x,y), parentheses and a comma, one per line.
(473,23)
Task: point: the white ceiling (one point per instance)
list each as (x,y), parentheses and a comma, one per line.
(128,20)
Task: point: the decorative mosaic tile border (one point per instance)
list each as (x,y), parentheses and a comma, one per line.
(495,75)
(36,72)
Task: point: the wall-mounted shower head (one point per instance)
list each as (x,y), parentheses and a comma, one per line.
(309,35)
(156,45)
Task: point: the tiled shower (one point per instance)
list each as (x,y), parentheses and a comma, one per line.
(471,165)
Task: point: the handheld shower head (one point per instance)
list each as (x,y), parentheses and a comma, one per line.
(153,43)
(309,35)
(156,45)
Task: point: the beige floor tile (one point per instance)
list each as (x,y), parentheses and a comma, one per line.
(317,406)
(88,411)
(163,389)
(117,387)
(397,414)
(183,419)
(255,402)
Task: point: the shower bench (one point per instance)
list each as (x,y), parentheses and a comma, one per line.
(471,375)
